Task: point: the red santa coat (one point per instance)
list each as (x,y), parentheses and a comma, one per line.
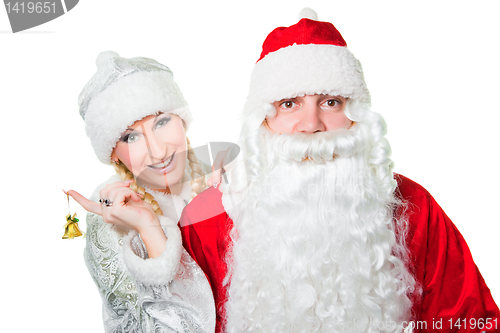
(455,297)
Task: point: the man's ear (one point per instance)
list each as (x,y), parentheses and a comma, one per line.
(266,125)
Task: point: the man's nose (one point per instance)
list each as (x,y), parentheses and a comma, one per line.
(310,121)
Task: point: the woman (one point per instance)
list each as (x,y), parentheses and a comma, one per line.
(136,119)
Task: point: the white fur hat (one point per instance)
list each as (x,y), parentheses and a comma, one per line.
(307,58)
(123,91)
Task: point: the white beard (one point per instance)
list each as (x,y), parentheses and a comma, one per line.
(314,243)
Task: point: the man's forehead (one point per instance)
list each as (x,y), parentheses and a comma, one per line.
(304,95)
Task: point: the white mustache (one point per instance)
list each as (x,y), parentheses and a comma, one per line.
(319,147)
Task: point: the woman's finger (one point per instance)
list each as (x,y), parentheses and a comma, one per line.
(123,194)
(217,166)
(214,180)
(123,208)
(125,183)
(114,211)
(219,160)
(210,181)
(89,206)
(104,192)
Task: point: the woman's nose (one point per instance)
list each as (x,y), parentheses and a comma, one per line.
(157,149)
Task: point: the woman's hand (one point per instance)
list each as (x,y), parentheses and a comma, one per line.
(122,207)
(221,160)
(125,209)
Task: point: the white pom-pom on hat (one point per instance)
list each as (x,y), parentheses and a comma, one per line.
(105,55)
(269,109)
(308,13)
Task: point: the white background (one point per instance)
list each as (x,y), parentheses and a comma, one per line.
(431,66)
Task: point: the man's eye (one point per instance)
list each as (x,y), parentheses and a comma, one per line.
(332,102)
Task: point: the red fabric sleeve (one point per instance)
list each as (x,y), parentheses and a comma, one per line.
(205,228)
(455,297)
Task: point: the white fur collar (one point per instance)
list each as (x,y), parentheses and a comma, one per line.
(172,204)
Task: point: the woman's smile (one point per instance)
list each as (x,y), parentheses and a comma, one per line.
(163,167)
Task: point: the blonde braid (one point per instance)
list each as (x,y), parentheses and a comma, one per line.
(198,182)
(125,174)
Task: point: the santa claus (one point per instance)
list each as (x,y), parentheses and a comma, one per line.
(313,232)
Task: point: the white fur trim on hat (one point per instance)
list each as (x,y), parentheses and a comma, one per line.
(127,100)
(305,70)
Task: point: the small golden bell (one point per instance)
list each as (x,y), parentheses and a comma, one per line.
(71,229)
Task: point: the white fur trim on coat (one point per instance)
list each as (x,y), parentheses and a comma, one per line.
(173,205)
(160,270)
(129,99)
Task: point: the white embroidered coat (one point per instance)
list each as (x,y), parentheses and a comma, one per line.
(169,293)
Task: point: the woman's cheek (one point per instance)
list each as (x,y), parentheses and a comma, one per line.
(128,155)
(180,167)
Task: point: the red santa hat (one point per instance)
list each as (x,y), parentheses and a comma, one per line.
(307,58)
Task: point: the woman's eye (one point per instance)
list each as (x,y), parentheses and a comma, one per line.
(162,122)
(132,138)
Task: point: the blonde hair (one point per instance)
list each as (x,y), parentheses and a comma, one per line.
(198,182)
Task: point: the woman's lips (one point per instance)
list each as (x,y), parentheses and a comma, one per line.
(163,167)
